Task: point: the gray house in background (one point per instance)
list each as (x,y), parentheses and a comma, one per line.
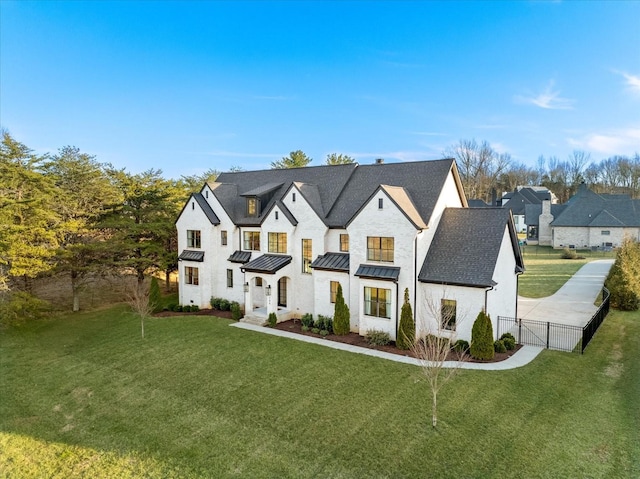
(587,220)
(520,198)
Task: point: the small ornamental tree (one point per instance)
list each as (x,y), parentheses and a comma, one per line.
(482,337)
(341,315)
(154,295)
(407,328)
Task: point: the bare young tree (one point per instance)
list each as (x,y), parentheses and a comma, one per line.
(439,360)
(139,303)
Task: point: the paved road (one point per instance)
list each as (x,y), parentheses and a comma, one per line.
(572,303)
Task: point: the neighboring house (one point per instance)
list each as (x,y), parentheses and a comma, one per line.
(522,196)
(280,241)
(538,219)
(588,220)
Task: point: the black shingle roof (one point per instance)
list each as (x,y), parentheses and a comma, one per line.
(335,192)
(465,247)
(332,262)
(240,257)
(532,213)
(374,271)
(190,255)
(206,208)
(587,208)
(267,263)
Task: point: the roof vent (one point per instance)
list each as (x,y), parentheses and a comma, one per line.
(379,161)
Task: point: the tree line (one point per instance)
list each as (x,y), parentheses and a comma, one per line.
(68,213)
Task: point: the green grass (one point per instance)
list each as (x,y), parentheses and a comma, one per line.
(84,396)
(546,271)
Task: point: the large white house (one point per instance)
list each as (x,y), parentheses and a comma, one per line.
(282,240)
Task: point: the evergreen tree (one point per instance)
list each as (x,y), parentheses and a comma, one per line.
(341,315)
(296,159)
(624,277)
(338,159)
(30,232)
(482,337)
(155,299)
(407,328)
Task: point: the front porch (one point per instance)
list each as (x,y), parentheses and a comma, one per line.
(259,315)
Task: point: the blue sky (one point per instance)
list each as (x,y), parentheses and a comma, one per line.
(187,86)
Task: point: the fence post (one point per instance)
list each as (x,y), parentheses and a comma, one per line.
(548,329)
(519,330)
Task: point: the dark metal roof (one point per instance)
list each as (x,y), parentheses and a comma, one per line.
(190,255)
(206,208)
(374,271)
(332,262)
(465,248)
(240,257)
(267,263)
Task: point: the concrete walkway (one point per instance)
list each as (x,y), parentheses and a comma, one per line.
(525,355)
(572,304)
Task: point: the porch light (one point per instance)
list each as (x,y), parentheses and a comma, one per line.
(246,287)
(267,290)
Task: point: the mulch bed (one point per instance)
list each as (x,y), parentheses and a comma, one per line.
(294,326)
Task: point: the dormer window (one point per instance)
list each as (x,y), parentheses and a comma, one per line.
(380,203)
(293,197)
(252,206)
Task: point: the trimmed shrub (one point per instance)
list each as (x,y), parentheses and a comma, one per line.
(224,305)
(509,343)
(315,330)
(272,320)
(568,254)
(377,338)
(324,322)
(171,306)
(178,308)
(155,298)
(508,335)
(195,308)
(324,332)
(407,327)
(499,346)
(236,312)
(305,328)
(341,314)
(186,309)
(307,321)
(461,346)
(482,337)
(215,303)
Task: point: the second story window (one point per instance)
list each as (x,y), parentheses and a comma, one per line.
(223,237)
(252,240)
(344,242)
(380,248)
(277,242)
(252,206)
(193,239)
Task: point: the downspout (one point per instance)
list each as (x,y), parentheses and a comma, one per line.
(415,276)
(397,306)
(486,295)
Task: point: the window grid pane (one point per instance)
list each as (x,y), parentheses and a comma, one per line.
(380,248)
(377,302)
(277,242)
(344,242)
(306,256)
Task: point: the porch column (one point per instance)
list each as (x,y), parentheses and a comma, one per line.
(271,300)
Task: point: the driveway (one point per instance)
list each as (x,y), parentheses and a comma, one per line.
(572,304)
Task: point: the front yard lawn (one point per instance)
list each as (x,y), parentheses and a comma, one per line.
(85,396)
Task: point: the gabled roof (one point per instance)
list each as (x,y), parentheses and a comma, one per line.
(190,255)
(267,263)
(587,208)
(465,248)
(204,206)
(285,211)
(518,199)
(337,192)
(403,201)
(332,262)
(375,271)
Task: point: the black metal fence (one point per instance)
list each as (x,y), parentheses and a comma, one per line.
(556,336)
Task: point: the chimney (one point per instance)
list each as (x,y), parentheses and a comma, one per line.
(546,207)
(379,161)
